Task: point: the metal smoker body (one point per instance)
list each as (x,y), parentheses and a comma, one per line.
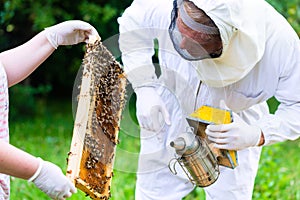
(196,159)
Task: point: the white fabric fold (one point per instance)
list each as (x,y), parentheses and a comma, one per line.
(242,37)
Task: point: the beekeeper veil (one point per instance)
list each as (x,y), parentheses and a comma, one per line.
(190,38)
(241,26)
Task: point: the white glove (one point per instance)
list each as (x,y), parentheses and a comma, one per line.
(70,32)
(237,135)
(50,179)
(151,110)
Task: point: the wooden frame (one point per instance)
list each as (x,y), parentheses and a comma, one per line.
(96,127)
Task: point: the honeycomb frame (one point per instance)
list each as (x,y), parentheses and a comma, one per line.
(95,133)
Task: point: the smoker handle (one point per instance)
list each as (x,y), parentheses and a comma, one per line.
(172,168)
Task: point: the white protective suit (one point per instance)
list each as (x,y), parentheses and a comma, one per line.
(179,86)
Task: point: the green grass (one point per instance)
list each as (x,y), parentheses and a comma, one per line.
(279,172)
(49,134)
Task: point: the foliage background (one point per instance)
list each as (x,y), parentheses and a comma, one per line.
(33,110)
(22,19)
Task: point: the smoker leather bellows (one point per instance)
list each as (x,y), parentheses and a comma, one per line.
(196,159)
(96,127)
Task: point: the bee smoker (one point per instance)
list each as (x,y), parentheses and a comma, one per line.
(196,159)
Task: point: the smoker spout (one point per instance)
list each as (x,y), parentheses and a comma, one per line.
(178,144)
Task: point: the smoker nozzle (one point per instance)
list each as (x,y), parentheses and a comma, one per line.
(178,144)
(186,144)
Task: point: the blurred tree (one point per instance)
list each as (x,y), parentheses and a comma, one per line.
(22,19)
(290,10)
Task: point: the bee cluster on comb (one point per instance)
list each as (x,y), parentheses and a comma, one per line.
(95,135)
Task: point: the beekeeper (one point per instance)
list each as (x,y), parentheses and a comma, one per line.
(242,52)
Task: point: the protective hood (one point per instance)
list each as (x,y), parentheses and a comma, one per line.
(242,27)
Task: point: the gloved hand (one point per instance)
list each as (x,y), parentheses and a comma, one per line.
(50,179)
(237,135)
(151,110)
(70,32)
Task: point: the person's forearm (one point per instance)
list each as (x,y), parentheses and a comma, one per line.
(17,163)
(21,61)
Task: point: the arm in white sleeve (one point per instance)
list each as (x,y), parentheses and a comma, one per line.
(137,44)
(284,124)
